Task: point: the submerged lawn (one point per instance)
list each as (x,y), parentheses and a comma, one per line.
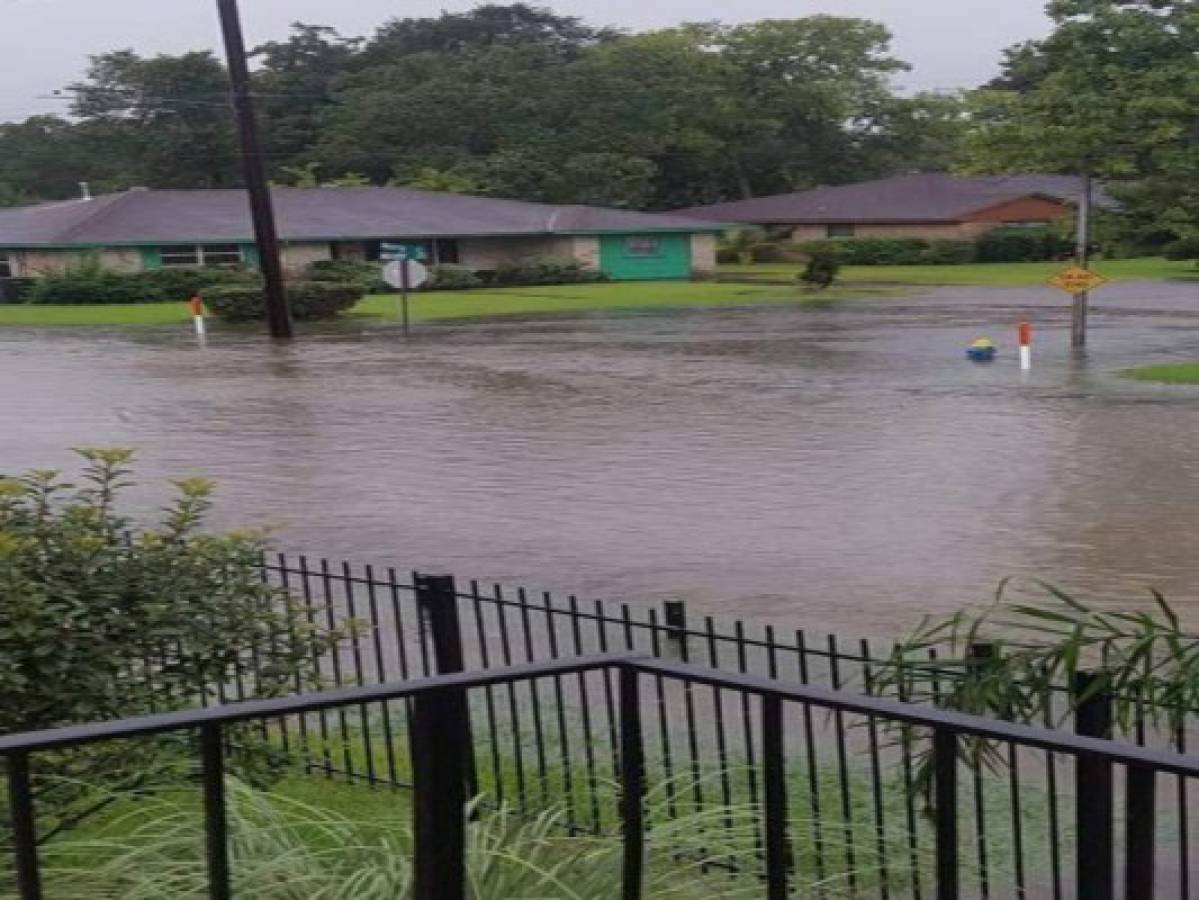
(995,274)
(472,304)
(1167,373)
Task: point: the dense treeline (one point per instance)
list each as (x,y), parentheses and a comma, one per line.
(516,101)
(509,100)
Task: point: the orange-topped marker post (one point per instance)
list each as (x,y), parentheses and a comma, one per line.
(197,308)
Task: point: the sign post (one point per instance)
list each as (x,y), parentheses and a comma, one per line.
(404,271)
(1082,252)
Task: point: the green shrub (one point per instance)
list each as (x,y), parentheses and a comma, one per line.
(727,256)
(452,278)
(948,252)
(96,623)
(89,282)
(766,253)
(869,251)
(1038,244)
(348,271)
(546,270)
(821,271)
(308,300)
(1182,249)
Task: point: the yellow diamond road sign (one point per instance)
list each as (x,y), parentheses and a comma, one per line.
(1076,280)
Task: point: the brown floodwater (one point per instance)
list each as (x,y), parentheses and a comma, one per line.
(843,469)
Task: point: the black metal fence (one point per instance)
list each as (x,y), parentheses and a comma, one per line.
(540,742)
(1109,825)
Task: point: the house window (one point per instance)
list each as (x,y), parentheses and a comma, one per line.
(8,266)
(642,245)
(445,251)
(842,230)
(202,255)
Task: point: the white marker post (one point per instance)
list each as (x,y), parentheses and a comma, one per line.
(1025,346)
(197,306)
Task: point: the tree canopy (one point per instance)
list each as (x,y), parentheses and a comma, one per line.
(518,101)
(1113,92)
(508,100)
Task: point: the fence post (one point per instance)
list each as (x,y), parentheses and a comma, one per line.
(440,742)
(216,825)
(1093,791)
(774,779)
(1140,835)
(632,784)
(945,796)
(437,600)
(674,614)
(24,827)
(437,603)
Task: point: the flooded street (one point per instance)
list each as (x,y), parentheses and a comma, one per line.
(843,469)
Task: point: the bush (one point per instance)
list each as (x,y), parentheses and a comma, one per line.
(1182,249)
(347,271)
(1022,245)
(308,300)
(727,256)
(547,270)
(89,282)
(821,271)
(452,278)
(869,251)
(15,290)
(96,623)
(948,253)
(766,253)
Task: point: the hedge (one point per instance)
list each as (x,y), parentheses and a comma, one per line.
(308,300)
(999,245)
(342,271)
(547,270)
(448,277)
(1023,245)
(90,283)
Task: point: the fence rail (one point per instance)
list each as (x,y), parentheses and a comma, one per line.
(556,739)
(441,723)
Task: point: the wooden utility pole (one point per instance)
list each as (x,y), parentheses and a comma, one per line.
(1082,253)
(278,316)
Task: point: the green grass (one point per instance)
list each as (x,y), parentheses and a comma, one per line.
(86,314)
(987,274)
(585,298)
(1167,373)
(447,305)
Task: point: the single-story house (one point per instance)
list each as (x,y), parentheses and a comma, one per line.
(920,205)
(144,229)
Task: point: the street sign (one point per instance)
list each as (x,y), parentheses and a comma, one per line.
(389,251)
(1075,280)
(393,274)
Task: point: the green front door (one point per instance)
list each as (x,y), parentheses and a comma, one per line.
(635,257)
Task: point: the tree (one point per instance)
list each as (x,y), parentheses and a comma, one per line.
(295,84)
(161,122)
(481,28)
(1111,92)
(44,158)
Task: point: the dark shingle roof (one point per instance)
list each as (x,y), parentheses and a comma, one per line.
(142,216)
(902,198)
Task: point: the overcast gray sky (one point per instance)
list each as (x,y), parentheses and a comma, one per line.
(44,43)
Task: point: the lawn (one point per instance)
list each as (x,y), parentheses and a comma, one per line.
(1167,373)
(474,304)
(995,274)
